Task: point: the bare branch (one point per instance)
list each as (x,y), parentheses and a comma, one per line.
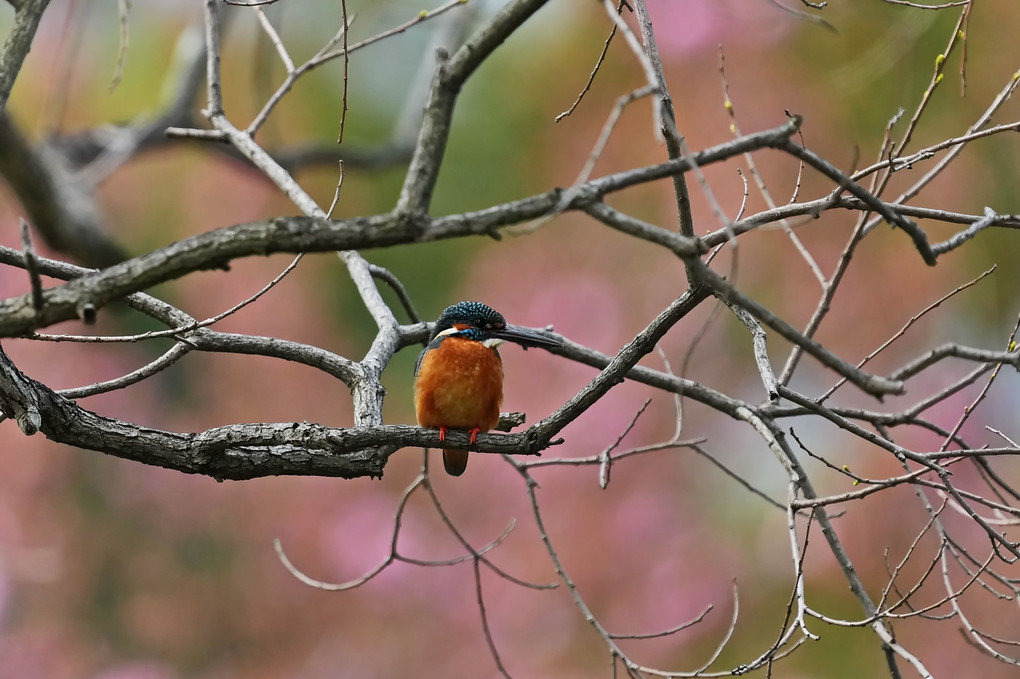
(18,42)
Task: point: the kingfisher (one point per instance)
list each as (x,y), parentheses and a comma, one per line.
(459,376)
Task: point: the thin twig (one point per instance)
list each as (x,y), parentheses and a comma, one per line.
(347,58)
(594,71)
(28,252)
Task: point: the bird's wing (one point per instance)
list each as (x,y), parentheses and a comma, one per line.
(434,344)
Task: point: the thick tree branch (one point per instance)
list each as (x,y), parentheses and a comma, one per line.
(451,74)
(215,249)
(239,451)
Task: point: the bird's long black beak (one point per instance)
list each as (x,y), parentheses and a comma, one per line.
(524,337)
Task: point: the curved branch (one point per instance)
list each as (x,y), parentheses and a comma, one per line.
(237,451)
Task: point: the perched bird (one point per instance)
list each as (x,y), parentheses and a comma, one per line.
(459,376)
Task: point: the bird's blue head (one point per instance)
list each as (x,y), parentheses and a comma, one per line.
(481,323)
(467,316)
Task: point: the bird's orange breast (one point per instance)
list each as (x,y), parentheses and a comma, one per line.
(459,386)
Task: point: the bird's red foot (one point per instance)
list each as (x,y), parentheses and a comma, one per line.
(474,433)
(442,433)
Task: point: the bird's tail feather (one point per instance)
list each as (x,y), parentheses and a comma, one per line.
(455,461)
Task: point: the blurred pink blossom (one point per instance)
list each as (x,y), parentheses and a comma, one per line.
(686,26)
(139,670)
